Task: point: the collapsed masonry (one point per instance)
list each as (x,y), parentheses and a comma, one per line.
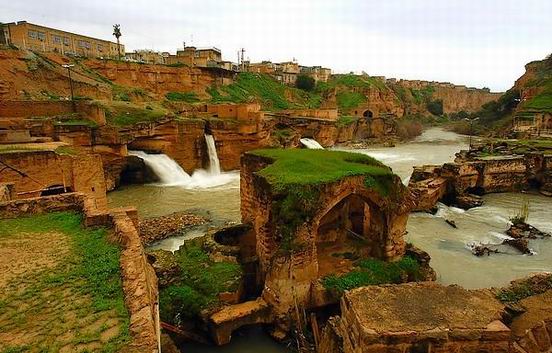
(455,183)
(304,210)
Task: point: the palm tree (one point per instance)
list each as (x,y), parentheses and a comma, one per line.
(117,34)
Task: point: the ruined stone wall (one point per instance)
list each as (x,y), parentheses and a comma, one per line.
(37,170)
(41,205)
(480,176)
(28,109)
(289,276)
(139,285)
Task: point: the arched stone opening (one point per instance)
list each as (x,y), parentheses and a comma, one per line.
(350,230)
(368,114)
(55,190)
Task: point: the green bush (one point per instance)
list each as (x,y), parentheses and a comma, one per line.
(435,107)
(305,82)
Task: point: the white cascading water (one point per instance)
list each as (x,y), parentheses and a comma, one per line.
(171,174)
(214,164)
(311,144)
(168,171)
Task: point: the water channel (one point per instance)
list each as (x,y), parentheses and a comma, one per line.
(447,246)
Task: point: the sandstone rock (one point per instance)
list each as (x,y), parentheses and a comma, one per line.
(157,228)
(468,201)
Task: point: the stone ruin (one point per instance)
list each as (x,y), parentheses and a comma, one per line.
(298,227)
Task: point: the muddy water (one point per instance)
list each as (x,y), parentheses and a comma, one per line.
(451,258)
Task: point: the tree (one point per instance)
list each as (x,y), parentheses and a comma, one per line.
(117,34)
(305,82)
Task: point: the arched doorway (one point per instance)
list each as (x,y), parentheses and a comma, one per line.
(368,114)
(352,229)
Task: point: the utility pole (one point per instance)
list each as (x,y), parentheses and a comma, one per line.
(242,58)
(471,121)
(68,67)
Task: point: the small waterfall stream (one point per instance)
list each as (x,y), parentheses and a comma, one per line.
(171,174)
(168,171)
(214,164)
(311,144)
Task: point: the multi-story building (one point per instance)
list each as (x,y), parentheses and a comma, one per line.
(30,36)
(196,57)
(147,56)
(319,73)
(287,72)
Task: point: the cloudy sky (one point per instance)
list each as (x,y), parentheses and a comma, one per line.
(473,42)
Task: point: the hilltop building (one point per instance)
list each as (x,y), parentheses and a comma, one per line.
(30,36)
(147,56)
(287,72)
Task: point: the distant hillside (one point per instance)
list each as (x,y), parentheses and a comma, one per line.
(531,93)
(144,92)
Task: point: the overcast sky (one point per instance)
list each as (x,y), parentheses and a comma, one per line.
(473,42)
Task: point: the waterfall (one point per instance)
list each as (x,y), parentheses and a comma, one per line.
(168,171)
(311,144)
(214,164)
(171,174)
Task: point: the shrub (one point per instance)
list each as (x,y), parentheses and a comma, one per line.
(305,82)
(522,215)
(435,107)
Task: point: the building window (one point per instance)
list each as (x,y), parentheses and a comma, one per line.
(66,41)
(57,39)
(84,44)
(33,34)
(41,36)
(100,47)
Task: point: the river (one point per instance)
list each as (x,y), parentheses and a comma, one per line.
(447,246)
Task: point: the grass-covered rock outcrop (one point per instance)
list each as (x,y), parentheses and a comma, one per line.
(298,177)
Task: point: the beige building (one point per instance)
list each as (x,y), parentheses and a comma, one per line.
(30,36)
(319,73)
(196,57)
(147,56)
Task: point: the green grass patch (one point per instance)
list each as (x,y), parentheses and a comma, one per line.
(188,97)
(250,86)
(127,114)
(347,100)
(298,167)
(199,284)
(344,121)
(542,102)
(373,272)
